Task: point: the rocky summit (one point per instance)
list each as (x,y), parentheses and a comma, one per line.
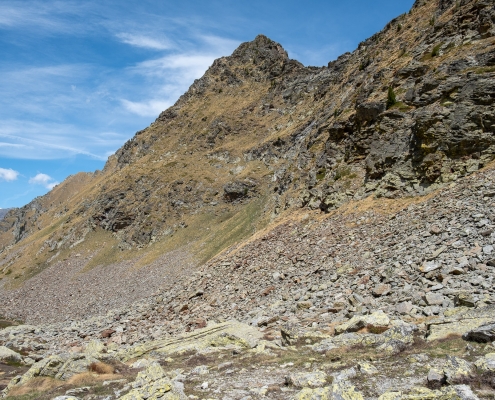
(281,232)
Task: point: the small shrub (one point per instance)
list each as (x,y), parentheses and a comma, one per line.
(343,172)
(399,27)
(321,174)
(432,21)
(101,368)
(391,99)
(436,50)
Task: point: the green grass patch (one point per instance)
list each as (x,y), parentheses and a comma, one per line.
(234,228)
(344,172)
(399,105)
(480,70)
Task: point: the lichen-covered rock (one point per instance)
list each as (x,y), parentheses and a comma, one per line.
(231,334)
(152,373)
(482,334)
(49,367)
(61,367)
(460,392)
(367,368)
(314,394)
(392,341)
(75,364)
(458,370)
(7,354)
(65,398)
(461,323)
(152,384)
(436,378)
(307,379)
(377,322)
(338,391)
(94,348)
(486,363)
(290,334)
(344,391)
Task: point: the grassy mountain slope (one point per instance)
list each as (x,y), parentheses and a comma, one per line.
(261,135)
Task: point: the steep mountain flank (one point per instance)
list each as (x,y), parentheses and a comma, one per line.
(281,232)
(261,135)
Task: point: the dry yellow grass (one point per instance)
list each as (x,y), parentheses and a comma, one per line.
(36,385)
(91,379)
(101,368)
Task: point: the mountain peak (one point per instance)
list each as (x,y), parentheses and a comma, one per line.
(261,48)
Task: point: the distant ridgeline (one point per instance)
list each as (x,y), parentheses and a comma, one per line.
(3,212)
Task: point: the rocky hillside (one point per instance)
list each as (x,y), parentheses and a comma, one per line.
(381,299)
(259,134)
(281,232)
(3,212)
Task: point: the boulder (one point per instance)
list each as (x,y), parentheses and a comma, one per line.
(482,334)
(414,69)
(392,341)
(457,370)
(367,368)
(304,379)
(314,394)
(61,367)
(459,392)
(227,335)
(339,390)
(376,322)
(237,190)
(436,378)
(460,323)
(486,363)
(369,111)
(152,383)
(7,354)
(343,390)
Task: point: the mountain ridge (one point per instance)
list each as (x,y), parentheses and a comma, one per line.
(281,232)
(260,135)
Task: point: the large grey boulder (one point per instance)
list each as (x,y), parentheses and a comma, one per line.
(9,355)
(482,334)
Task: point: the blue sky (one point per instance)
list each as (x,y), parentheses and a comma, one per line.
(79,78)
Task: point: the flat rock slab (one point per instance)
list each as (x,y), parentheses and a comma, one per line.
(461,323)
(220,336)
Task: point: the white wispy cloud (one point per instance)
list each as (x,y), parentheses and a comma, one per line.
(43,141)
(146,42)
(44,180)
(170,76)
(8,174)
(150,108)
(47,17)
(66,109)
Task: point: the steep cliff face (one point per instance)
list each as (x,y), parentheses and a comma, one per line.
(410,110)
